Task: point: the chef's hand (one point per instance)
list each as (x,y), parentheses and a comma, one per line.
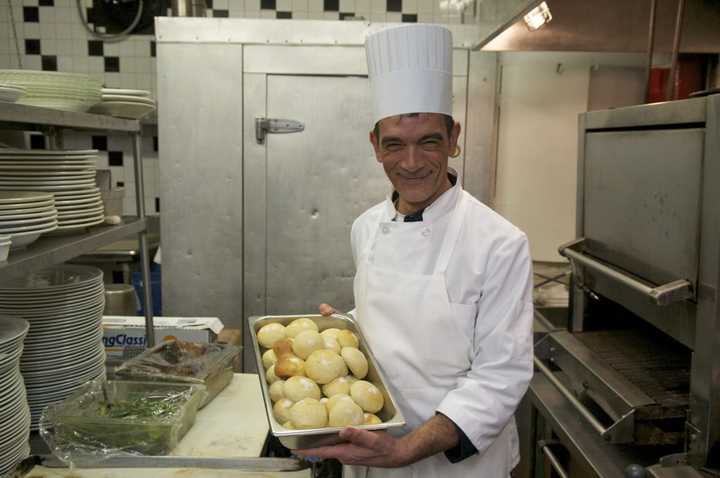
(366,448)
(327,310)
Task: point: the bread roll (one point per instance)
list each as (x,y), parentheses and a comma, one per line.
(307,342)
(347,338)
(296,388)
(283,348)
(298,325)
(355,360)
(270,375)
(269,358)
(335,399)
(371,419)
(367,395)
(281,410)
(269,334)
(288,424)
(324,366)
(332,332)
(276,390)
(331,343)
(345,413)
(289,366)
(337,386)
(309,413)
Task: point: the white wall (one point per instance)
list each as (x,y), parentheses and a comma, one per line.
(541,95)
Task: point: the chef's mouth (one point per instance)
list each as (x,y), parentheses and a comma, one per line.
(415,177)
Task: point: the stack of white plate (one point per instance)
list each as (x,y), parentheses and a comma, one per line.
(5,242)
(25,215)
(11,93)
(64,347)
(68,174)
(14,410)
(133,104)
(52,89)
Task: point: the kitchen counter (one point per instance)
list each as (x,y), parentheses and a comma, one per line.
(232,425)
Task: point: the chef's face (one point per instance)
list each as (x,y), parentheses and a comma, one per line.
(413,150)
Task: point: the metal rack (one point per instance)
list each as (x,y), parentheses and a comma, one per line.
(53,250)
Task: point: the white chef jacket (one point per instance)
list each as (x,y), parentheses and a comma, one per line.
(490,270)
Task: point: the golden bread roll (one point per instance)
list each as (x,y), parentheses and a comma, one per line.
(339,385)
(324,366)
(307,342)
(269,358)
(345,413)
(355,360)
(347,338)
(367,395)
(276,390)
(309,413)
(281,410)
(298,387)
(371,419)
(298,325)
(289,366)
(269,334)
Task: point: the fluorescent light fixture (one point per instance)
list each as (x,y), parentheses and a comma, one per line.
(538,16)
(455,5)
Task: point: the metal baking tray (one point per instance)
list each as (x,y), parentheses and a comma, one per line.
(309,438)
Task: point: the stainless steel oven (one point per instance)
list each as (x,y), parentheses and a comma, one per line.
(631,387)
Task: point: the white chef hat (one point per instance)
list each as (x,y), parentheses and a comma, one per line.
(410,70)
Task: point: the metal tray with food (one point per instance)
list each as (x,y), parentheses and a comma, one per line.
(105,418)
(369,393)
(180,361)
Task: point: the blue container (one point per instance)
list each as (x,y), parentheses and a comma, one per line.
(155,289)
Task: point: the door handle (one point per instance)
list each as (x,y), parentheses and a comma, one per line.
(265,126)
(554,462)
(664,294)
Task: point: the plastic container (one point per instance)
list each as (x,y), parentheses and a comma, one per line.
(155,290)
(184,362)
(147,418)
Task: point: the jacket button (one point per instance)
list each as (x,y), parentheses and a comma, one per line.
(426,232)
(385,229)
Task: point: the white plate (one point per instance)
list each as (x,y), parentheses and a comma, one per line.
(23,208)
(123,109)
(49,188)
(129,99)
(77,227)
(23,197)
(9,168)
(13,223)
(51,153)
(65,195)
(92,211)
(41,182)
(10,214)
(124,91)
(14,230)
(46,173)
(10,95)
(24,239)
(73,208)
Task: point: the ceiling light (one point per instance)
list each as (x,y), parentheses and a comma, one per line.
(538,16)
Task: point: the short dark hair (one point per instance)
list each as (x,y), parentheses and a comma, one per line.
(449,123)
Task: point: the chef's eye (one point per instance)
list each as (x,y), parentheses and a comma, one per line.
(431,143)
(393,146)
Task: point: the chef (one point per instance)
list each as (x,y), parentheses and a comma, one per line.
(443,283)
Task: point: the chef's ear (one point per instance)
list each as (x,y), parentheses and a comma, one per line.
(376,146)
(455,133)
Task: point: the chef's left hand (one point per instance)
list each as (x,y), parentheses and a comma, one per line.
(366,448)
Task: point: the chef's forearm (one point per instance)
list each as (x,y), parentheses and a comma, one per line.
(434,436)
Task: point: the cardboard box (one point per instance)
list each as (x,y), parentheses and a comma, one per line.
(124,337)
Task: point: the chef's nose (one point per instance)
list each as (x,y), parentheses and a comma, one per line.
(412,160)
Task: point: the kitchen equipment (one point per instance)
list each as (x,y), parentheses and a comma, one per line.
(637,366)
(390,414)
(120,299)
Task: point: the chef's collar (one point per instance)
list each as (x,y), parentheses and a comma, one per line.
(443,204)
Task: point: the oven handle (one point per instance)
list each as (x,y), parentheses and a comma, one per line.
(571,398)
(665,294)
(554,462)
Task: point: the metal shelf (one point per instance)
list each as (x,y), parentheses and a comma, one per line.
(50,250)
(32,117)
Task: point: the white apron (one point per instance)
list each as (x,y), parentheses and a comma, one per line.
(413,331)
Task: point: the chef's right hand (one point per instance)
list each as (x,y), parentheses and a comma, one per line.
(327,310)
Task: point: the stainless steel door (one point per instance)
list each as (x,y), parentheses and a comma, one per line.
(318,182)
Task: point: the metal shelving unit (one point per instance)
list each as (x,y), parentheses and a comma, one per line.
(54,250)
